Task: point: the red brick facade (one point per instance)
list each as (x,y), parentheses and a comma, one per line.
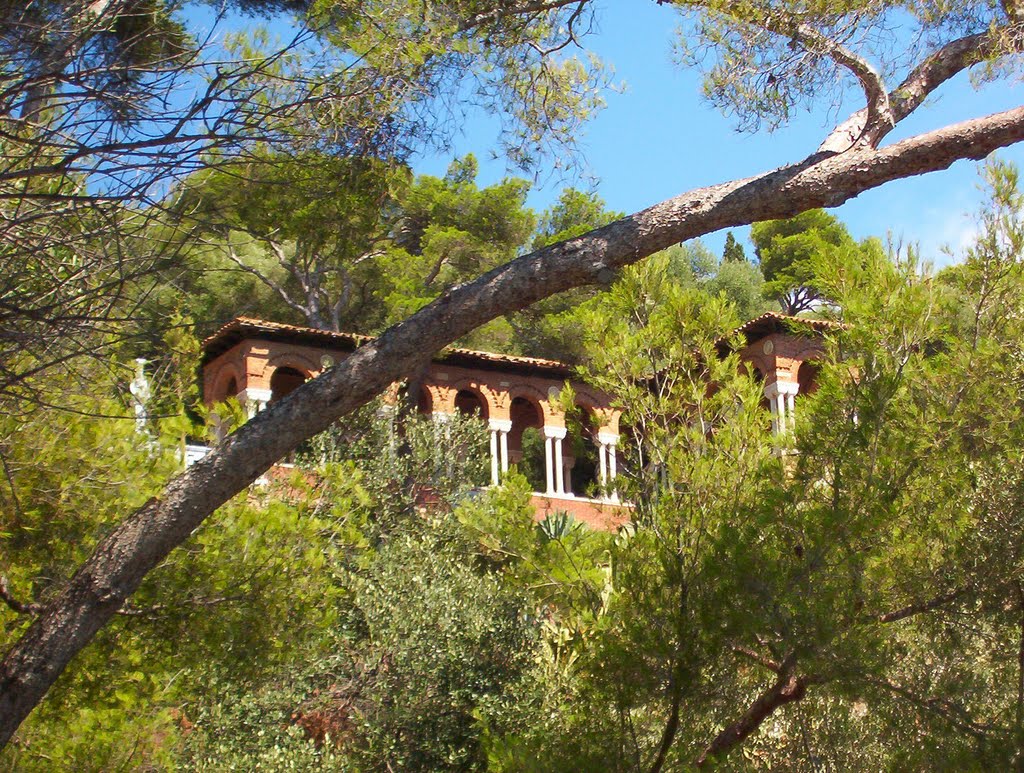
(260,362)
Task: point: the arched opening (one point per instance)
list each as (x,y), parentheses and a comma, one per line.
(222,390)
(526,441)
(424,402)
(469,403)
(582,463)
(807,377)
(750,369)
(632,456)
(229,389)
(758,376)
(284,381)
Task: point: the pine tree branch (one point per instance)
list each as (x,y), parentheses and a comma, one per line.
(863,128)
(21,607)
(787,688)
(144,539)
(920,607)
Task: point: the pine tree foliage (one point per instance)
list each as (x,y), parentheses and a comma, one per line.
(87,169)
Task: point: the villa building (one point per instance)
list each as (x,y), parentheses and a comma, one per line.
(258,362)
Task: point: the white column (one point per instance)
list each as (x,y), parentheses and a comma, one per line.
(608,441)
(388,413)
(559,467)
(549,464)
(443,440)
(494,457)
(771,392)
(141,392)
(787,396)
(555,435)
(254,400)
(442,421)
(499,446)
(781,397)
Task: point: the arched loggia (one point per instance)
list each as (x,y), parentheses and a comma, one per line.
(807,377)
(526,440)
(470,403)
(581,453)
(424,402)
(284,381)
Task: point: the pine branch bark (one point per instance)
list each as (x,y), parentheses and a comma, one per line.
(143,540)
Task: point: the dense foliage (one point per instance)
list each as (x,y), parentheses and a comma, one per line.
(144,153)
(847,597)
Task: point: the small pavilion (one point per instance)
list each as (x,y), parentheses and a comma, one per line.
(259,362)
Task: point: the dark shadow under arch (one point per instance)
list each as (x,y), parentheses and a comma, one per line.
(284,381)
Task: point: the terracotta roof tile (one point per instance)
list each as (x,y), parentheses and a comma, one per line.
(776,322)
(241,328)
(248,327)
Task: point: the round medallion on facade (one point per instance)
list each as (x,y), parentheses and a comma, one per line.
(768,347)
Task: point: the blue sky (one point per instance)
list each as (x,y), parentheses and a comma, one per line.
(657,139)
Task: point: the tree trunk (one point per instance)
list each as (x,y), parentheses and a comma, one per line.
(1019,714)
(788,688)
(668,735)
(120,561)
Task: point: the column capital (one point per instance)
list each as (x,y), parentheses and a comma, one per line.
(441,417)
(554,432)
(499,425)
(781,388)
(254,394)
(608,438)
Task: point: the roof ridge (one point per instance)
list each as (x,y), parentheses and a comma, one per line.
(240,322)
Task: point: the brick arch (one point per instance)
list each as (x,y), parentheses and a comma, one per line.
(550,414)
(481,390)
(519,421)
(587,399)
(581,447)
(221,382)
(425,400)
(764,364)
(590,405)
(284,380)
(750,368)
(807,376)
(293,360)
(475,389)
(812,351)
(606,416)
(442,398)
